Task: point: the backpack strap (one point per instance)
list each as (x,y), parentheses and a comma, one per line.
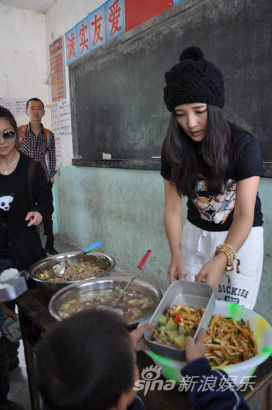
(22,133)
(47,134)
(31,173)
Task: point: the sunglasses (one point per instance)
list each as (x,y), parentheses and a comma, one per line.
(8,134)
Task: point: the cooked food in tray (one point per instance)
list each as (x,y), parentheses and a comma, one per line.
(177,323)
(227,341)
(134,303)
(73,271)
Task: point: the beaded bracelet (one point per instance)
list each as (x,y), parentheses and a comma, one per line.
(231,256)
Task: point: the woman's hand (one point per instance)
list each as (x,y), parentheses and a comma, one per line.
(212,271)
(175,270)
(34,218)
(6,312)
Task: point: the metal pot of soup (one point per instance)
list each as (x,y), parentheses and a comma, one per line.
(139,301)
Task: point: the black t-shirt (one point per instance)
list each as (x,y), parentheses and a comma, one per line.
(22,241)
(4,249)
(215,212)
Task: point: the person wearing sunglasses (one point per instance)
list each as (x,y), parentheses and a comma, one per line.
(24,202)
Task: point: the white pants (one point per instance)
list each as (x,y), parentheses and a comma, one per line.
(199,246)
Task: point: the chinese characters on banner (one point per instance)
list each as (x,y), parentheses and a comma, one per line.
(115,18)
(57,69)
(100,26)
(109,21)
(83,37)
(70,41)
(97,27)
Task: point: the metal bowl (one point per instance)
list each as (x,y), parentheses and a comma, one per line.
(92,286)
(49,288)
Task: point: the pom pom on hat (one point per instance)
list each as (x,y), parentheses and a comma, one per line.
(192,53)
(193,80)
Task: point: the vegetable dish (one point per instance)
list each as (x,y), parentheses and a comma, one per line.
(227,341)
(73,271)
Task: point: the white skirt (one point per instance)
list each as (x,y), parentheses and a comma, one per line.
(198,246)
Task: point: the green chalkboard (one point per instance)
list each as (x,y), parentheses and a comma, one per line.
(117,90)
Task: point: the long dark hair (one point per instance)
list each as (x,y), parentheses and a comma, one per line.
(181,153)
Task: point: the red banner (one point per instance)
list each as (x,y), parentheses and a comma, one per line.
(138,11)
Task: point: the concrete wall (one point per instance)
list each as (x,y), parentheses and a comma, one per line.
(124,208)
(23,69)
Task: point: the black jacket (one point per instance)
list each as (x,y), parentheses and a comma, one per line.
(211,389)
(23,243)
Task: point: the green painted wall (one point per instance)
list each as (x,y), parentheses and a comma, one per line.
(124,208)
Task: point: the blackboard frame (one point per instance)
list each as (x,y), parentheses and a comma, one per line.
(133,35)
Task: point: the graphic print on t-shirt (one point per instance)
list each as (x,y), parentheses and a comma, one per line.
(5,202)
(215,208)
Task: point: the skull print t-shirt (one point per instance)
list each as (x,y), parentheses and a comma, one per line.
(215,212)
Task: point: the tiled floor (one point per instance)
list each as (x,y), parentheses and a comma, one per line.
(18,377)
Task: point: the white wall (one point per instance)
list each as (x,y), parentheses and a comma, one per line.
(24,65)
(23,69)
(62,16)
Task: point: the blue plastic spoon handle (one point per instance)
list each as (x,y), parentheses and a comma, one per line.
(91,247)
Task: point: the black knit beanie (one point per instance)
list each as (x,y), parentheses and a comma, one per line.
(193,80)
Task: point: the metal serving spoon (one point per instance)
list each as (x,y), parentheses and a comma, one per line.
(114,307)
(59,268)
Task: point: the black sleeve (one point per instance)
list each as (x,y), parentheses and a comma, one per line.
(41,193)
(249,160)
(137,404)
(165,165)
(211,389)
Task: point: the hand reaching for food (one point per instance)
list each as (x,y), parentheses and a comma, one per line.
(195,349)
(137,338)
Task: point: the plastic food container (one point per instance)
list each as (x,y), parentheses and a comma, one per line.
(188,294)
(262,331)
(12,288)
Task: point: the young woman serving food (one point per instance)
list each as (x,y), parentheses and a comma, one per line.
(217,165)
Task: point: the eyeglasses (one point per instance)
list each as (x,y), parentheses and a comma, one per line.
(8,134)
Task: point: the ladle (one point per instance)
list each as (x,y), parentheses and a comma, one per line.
(59,268)
(139,267)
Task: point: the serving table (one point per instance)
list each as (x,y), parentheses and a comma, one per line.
(35,320)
